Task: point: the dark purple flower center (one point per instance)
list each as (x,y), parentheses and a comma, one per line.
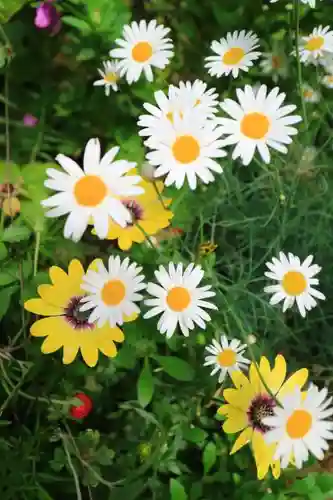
(76,318)
(135,210)
(261,406)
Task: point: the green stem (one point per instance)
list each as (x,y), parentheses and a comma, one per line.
(146,235)
(72,468)
(299,66)
(36,253)
(159,195)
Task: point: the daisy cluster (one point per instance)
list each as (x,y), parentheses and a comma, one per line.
(84,310)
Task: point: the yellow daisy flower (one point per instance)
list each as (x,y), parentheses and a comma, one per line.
(249,403)
(147,211)
(65,325)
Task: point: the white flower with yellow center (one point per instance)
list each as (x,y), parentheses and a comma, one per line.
(91,195)
(186,148)
(295,282)
(235,52)
(179,299)
(327,81)
(275,64)
(226,357)
(310,94)
(204,100)
(112,292)
(317,45)
(142,46)
(300,426)
(110,77)
(259,121)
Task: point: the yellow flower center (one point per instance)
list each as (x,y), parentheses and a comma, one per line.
(233,56)
(294,283)
(307,93)
(255,125)
(142,51)
(315,43)
(276,62)
(113,292)
(111,77)
(329,78)
(178,298)
(197,102)
(226,358)
(299,424)
(186,149)
(90,191)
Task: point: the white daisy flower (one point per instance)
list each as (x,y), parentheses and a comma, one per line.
(226,357)
(110,76)
(327,81)
(275,64)
(142,46)
(204,100)
(300,426)
(295,282)
(112,292)
(258,121)
(309,94)
(167,106)
(314,46)
(235,52)
(91,195)
(327,62)
(179,299)
(186,148)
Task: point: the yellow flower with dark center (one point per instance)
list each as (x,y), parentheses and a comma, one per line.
(250,402)
(65,326)
(207,248)
(147,212)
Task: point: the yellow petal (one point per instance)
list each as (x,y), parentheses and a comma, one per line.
(297,379)
(108,348)
(276,469)
(75,270)
(39,306)
(278,374)
(50,294)
(237,421)
(132,317)
(93,265)
(244,438)
(106,333)
(89,351)
(224,409)
(49,326)
(58,275)
(125,241)
(70,353)
(239,379)
(52,343)
(237,398)
(263,454)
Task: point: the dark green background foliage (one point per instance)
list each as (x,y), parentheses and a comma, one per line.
(152,433)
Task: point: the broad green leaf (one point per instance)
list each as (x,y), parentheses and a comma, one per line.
(8,276)
(145,386)
(194,434)
(3,251)
(209,457)
(80,24)
(104,456)
(16,233)
(177,490)
(176,367)
(9,8)
(5,298)
(9,172)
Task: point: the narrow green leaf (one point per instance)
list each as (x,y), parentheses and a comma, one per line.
(176,367)
(3,251)
(80,24)
(5,298)
(209,457)
(145,385)
(177,490)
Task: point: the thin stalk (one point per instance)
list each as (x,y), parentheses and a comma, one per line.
(298,60)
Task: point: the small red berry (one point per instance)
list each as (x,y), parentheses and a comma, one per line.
(83,410)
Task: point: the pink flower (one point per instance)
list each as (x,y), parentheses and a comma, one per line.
(47,16)
(30,120)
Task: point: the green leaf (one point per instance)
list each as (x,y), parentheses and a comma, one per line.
(8,276)
(176,367)
(209,457)
(104,456)
(194,434)
(145,386)
(177,491)
(16,233)
(5,298)
(8,9)
(9,172)
(3,251)
(80,24)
